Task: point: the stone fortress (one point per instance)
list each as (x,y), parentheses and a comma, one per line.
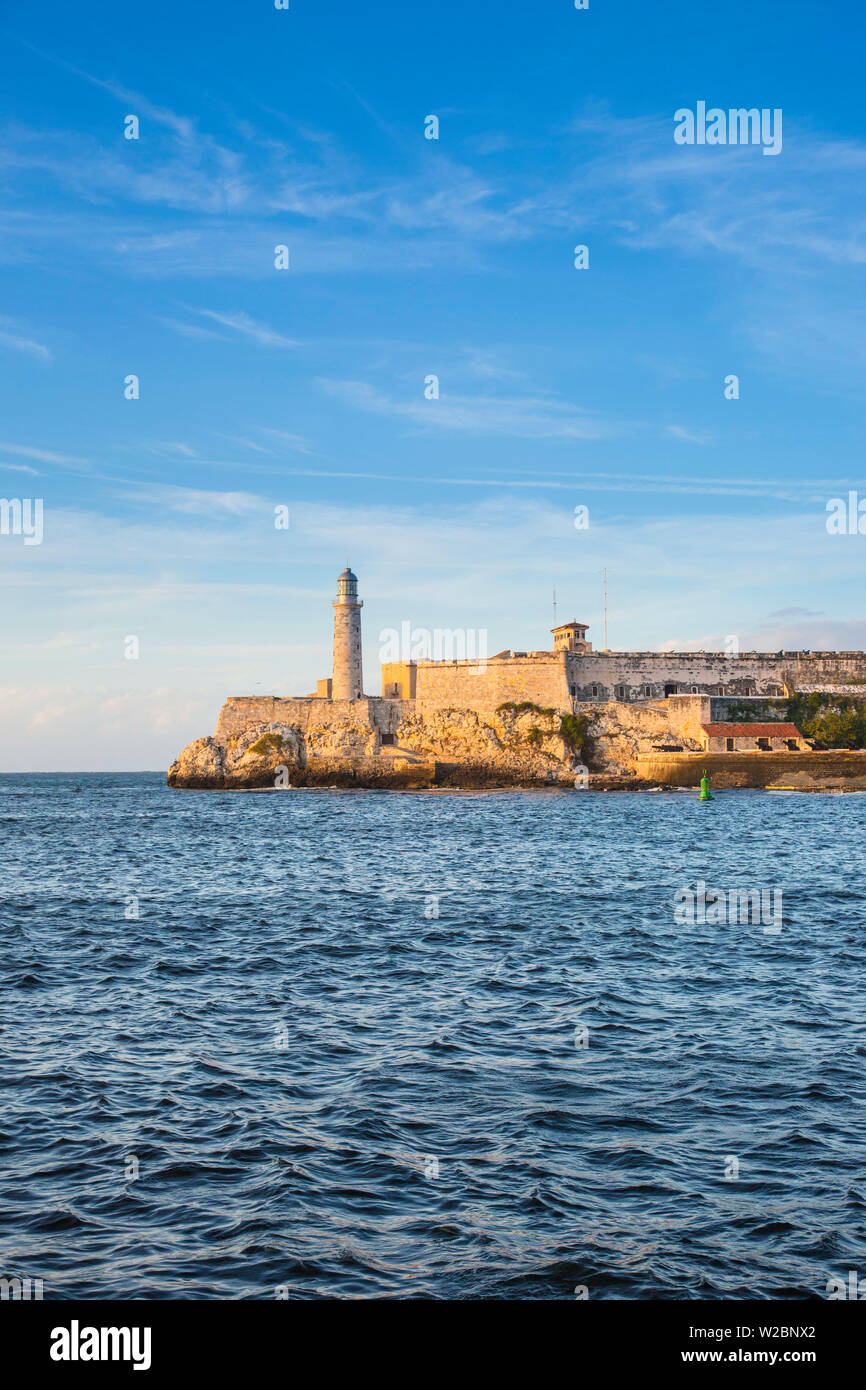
(518,718)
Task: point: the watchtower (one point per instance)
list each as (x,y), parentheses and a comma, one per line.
(571,637)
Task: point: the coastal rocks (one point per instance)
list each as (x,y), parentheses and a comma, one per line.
(252,759)
(809,782)
(201,764)
(518,746)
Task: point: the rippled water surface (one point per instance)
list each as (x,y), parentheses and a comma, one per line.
(326,1087)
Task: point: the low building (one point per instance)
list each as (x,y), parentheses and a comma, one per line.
(751,738)
(324,690)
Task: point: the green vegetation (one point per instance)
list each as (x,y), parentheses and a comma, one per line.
(536,734)
(572,728)
(837,721)
(753,712)
(266,743)
(525,707)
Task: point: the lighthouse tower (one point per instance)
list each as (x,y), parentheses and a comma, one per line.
(348,681)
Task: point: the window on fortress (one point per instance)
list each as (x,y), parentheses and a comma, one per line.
(647,690)
(573,691)
(595,692)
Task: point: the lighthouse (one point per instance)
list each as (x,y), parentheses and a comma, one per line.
(348,681)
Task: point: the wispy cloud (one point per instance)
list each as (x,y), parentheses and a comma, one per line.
(530,417)
(293,442)
(11,336)
(200,502)
(171,449)
(625,174)
(191,330)
(243,443)
(43,455)
(181,125)
(720,200)
(240,322)
(235,322)
(690,436)
(484,363)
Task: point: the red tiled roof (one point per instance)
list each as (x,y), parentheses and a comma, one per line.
(752,730)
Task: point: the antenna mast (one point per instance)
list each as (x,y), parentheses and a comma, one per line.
(604,572)
(554,608)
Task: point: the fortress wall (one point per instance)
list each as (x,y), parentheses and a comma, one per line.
(746,769)
(388,715)
(712,673)
(484,686)
(398,680)
(687,713)
(305,714)
(750,673)
(834,668)
(240,710)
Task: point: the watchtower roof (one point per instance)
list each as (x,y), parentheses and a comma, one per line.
(570,627)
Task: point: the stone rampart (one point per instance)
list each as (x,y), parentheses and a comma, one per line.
(746,769)
(239,712)
(652,675)
(485,685)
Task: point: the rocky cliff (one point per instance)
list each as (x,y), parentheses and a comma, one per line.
(618,734)
(521,745)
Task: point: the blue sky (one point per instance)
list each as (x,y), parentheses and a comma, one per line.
(412,257)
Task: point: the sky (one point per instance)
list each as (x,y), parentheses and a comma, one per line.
(304,388)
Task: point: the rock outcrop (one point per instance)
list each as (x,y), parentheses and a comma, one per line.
(518,746)
(618,733)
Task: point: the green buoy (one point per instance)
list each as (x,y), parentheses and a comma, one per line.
(706,794)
